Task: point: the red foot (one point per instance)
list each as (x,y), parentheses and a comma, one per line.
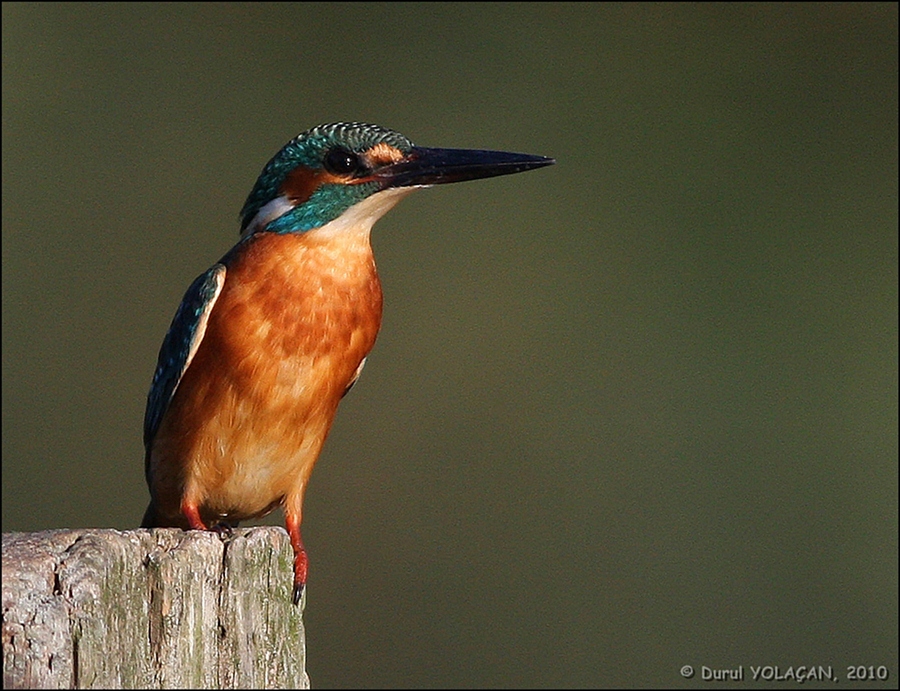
(301,563)
(192,514)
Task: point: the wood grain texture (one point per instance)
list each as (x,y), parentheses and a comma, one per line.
(156,608)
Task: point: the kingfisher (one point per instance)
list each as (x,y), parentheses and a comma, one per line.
(267,341)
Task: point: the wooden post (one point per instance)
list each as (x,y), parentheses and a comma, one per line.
(158,608)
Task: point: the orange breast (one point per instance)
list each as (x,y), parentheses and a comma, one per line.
(296,316)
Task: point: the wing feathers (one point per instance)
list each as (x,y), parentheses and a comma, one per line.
(180,345)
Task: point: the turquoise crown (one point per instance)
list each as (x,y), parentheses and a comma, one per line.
(310,149)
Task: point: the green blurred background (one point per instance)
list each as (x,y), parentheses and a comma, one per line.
(631,412)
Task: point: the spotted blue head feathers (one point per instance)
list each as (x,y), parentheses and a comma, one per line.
(322,172)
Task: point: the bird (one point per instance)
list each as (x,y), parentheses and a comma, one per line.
(266,342)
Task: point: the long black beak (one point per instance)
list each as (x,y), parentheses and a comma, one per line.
(426,166)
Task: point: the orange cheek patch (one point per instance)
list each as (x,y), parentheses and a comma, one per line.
(300,183)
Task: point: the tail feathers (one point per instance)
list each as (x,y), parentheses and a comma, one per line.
(150,520)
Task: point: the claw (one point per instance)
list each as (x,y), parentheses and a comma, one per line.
(301,563)
(223,528)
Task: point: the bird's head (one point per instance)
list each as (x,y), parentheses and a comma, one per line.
(323,172)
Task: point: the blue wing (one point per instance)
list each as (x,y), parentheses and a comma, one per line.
(180,345)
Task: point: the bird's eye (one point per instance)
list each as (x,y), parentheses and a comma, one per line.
(340,162)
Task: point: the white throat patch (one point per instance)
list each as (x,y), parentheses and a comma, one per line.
(360,217)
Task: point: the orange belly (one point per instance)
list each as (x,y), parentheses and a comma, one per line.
(296,316)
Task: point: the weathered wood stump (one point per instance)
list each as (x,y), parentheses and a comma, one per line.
(156,608)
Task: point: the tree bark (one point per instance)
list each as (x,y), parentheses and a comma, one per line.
(159,608)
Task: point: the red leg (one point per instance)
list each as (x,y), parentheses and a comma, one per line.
(190,511)
(301,563)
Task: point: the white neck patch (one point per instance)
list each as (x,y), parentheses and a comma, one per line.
(360,217)
(276,208)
